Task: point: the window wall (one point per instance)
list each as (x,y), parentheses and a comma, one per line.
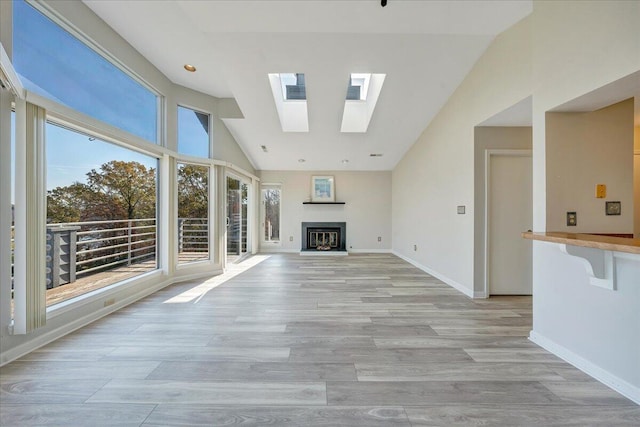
(111,184)
(13,204)
(55,64)
(193,213)
(101,213)
(193,132)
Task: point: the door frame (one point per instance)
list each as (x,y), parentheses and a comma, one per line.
(487,210)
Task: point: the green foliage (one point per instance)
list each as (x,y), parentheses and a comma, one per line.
(130,184)
(118,190)
(193,191)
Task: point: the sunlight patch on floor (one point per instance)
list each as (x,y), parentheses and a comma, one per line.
(196,293)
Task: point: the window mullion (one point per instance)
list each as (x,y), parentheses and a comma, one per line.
(30,250)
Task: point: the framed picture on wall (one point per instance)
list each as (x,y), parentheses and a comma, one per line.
(323,189)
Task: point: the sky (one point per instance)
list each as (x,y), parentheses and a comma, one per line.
(53,63)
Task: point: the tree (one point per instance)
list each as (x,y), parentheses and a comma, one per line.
(130,184)
(118,190)
(193,191)
(78,202)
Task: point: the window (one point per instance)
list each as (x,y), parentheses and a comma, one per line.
(193,132)
(293,86)
(271,214)
(193,213)
(55,64)
(358,86)
(101,213)
(13,204)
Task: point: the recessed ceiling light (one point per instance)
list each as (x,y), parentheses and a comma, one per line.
(190,68)
(264,148)
(301,160)
(375,155)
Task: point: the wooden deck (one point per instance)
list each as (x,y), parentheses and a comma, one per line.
(101,279)
(364,340)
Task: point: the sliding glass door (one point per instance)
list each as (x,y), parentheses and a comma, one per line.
(237,218)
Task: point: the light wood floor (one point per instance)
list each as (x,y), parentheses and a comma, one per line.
(303,341)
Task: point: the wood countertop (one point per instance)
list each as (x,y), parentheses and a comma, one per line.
(608,243)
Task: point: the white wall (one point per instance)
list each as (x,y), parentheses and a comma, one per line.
(437,173)
(367,208)
(577,48)
(583,150)
(490,138)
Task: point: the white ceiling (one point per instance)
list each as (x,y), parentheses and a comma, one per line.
(425,48)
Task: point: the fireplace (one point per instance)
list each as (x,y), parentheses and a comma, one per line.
(324,236)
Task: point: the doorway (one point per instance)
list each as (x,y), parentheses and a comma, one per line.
(237,219)
(509,213)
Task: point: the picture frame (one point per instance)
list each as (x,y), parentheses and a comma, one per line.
(613,208)
(323,189)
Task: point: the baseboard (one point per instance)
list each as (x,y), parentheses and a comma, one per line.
(278,251)
(457,286)
(479,295)
(297,251)
(618,384)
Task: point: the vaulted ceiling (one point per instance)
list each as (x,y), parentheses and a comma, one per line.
(425,48)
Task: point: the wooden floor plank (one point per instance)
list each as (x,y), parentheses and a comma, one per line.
(525,416)
(248,416)
(64,414)
(206,392)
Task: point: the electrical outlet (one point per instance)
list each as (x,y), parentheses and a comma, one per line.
(291,238)
(572,219)
(415,247)
(379,239)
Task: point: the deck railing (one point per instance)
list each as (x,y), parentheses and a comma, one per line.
(78,249)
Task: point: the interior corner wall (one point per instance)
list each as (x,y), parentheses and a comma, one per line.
(490,137)
(583,150)
(437,173)
(367,208)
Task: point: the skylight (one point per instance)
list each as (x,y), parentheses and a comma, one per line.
(358,86)
(362,95)
(293,87)
(290,96)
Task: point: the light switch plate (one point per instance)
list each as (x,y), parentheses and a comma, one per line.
(461,210)
(601,191)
